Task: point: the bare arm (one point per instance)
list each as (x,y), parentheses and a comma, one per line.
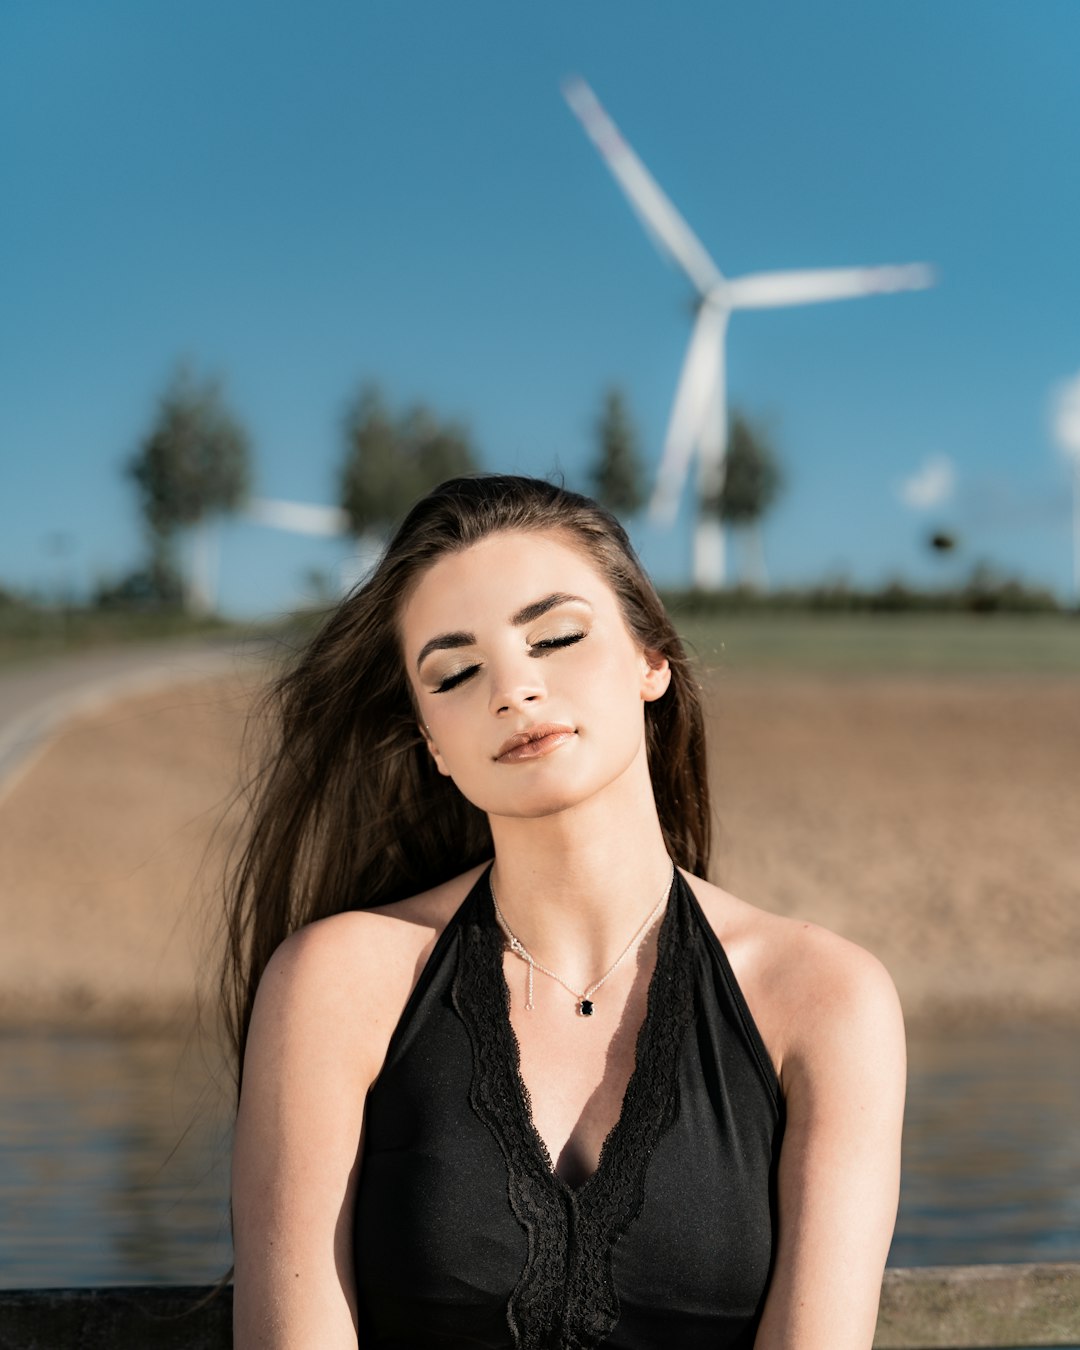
(843,1075)
(296,1152)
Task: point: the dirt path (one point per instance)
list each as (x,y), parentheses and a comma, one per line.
(935,821)
(38,696)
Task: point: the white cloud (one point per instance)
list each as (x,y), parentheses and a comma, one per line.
(1066,416)
(932,485)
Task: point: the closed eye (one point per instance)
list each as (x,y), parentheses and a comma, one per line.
(549,644)
(458,677)
(541,648)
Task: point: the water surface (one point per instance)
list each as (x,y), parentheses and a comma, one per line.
(114,1156)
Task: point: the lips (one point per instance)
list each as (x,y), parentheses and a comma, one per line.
(534,743)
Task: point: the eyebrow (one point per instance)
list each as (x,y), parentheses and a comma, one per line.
(536,610)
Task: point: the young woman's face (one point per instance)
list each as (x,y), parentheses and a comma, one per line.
(525,674)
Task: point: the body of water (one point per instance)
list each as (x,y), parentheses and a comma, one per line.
(114,1156)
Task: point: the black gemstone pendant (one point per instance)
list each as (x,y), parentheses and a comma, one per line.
(586,1007)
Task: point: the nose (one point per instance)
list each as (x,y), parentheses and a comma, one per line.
(515,684)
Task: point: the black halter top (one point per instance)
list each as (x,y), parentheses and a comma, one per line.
(466,1237)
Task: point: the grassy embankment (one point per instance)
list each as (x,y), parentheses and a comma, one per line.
(44,634)
(885,644)
(737,643)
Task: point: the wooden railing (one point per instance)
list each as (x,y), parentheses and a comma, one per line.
(943,1307)
(924,1308)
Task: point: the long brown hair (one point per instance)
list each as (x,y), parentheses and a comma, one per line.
(349,810)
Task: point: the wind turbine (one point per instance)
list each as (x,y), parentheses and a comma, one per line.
(699,414)
(298,517)
(1067,431)
(295,517)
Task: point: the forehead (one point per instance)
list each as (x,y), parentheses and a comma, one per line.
(497,576)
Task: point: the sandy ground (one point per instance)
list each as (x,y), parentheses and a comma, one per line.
(110,859)
(935,821)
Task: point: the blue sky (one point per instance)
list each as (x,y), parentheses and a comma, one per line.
(300,198)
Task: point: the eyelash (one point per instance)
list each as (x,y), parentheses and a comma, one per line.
(538,648)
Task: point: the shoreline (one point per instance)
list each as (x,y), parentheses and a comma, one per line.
(186,1023)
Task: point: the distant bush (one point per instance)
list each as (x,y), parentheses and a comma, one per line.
(30,629)
(9,600)
(986,592)
(155,588)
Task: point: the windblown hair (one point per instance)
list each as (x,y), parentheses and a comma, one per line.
(349,810)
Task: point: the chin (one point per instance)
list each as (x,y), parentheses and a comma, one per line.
(535,801)
(549,788)
(536,809)
(526,801)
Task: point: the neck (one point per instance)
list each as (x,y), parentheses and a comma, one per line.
(576,884)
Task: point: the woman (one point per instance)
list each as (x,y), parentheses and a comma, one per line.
(575,1096)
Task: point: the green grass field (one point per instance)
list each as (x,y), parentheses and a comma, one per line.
(884,644)
(858,644)
(39,635)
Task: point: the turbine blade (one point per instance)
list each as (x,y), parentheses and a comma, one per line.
(662,222)
(299,517)
(765,290)
(695,400)
(1067,418)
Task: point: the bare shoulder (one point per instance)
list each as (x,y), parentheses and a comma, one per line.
(346,979)
(325,1011)
(810,991)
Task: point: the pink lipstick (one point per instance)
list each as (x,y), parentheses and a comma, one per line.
(534,743)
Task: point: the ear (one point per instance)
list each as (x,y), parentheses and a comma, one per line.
(655,677)
(433,750)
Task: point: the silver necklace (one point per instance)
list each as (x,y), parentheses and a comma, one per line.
(583,996)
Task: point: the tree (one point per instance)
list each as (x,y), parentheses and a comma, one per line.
(390,462)
(752,482)
(153,586)
(617,474)
(194,464)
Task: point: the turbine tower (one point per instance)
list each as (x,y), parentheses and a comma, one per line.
(1067,431)
(698,417)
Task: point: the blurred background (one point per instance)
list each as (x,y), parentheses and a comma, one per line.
(274,271)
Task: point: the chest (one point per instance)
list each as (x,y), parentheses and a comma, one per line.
(464,1236)
(574,1069)
(467,1235)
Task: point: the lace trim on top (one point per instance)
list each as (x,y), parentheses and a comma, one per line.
(565,1298)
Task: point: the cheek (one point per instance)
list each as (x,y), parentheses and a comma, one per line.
(614,679)
(453,735)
